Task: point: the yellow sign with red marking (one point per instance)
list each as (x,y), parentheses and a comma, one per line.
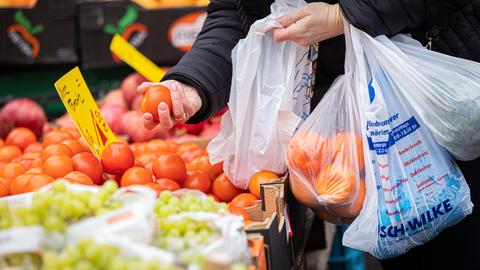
(130,55)
(81,106)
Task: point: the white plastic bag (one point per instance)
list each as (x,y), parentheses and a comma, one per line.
(325,156)
(414,188)
(268,99)
(445,92)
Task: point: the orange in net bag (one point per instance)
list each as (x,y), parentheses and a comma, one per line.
(325,157)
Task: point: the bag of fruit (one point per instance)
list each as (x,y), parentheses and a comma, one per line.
(325,156)
(269,97)
(414,189)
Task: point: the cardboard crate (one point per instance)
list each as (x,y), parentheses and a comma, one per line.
(163,35)
(41,35)
(270,219)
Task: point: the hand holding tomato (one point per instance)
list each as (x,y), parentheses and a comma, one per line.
(185,102)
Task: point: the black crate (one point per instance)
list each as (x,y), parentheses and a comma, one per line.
(163,35)
(42,35)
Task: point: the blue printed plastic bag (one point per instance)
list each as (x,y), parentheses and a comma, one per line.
(414,189)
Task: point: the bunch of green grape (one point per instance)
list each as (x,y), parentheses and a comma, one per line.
(58,207)
(88,255)
(24,261)
(185,237)
(169,204)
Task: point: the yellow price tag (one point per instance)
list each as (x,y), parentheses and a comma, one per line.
(81,106)
(135,59)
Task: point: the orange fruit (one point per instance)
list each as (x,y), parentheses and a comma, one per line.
(307,152)
(353,208)
(259,178)
(348,148)
(72,131)
(235,210)
(136,176)
(76,177)
(337,183)
(153,97)
(167,184)
(224,189)
(170,165)
(197,180)
(157,147)
(34,170)
(74,145)
(4,189)
(2,142)
(58,166)
(147,157)
(203,164)
(9,152)
(244,200)
(189,156)
(21,137)
(12,170)
(55,150)
(88,164)
(117,158)
(19,184)
(186,147)
(33,147)
(56,136)
(37,181)
(332,218)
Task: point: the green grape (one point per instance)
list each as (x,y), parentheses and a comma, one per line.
(88,255)
(58,207)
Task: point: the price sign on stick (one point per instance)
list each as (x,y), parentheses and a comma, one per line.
(81,106)
(135,59)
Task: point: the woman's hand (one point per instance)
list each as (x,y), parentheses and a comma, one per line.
(312,23)
(185,103)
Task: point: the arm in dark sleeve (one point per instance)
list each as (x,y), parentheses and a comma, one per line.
(208,65)
(386,17)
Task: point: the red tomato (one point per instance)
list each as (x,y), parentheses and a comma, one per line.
(170,165)
(117,158)
(153,97)
(158,146)
(197,180)
(136,176)
(88,164)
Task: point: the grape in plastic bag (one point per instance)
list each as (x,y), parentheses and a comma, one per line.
(325,156)
(414,189)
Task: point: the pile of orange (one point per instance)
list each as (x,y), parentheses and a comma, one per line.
(326,173)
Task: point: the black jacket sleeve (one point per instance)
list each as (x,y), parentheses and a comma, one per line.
(385,17)
(208,65)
